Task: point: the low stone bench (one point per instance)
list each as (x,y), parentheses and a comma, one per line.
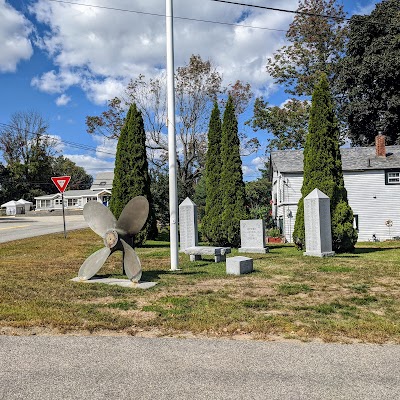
(196,252)
(239,265)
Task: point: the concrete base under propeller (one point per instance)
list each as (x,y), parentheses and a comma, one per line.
(118,282)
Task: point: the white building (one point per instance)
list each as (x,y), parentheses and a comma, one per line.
(13,207)
(17,207)
(371,177)
(76,199)
(28,205)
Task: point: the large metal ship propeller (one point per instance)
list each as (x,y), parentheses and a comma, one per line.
(117,235)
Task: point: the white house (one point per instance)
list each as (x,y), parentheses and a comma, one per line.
(76,199)
(371,177)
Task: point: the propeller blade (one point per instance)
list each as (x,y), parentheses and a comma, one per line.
(132,266)
(99,217)
(93,263)
(134,215)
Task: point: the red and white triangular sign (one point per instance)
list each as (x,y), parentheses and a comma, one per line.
(61,182)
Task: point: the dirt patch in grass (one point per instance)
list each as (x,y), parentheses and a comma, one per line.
(349,298)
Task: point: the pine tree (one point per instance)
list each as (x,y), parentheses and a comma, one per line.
(323,170)
(131,175)
(232,185)
(211,223)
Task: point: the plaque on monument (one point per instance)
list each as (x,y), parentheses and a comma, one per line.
(188,234)
(317,223)
(252,236)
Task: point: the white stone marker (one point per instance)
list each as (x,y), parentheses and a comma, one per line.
(188,234)
(252,236)
(317,223)
(239,265)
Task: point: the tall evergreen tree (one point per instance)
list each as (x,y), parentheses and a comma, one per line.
(212,223)
(232,185)
(131,175)
(323,170)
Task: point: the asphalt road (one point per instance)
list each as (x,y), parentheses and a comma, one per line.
(25,226)
(68,367)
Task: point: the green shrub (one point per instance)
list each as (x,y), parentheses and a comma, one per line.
(274,232)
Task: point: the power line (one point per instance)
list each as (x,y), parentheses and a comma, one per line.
(282,10)
(80,146)
(163,15)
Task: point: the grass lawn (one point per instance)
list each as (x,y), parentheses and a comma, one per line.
(347,298)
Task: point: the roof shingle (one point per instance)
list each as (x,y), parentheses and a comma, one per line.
(353,159)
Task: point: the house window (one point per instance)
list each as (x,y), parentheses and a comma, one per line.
(103,183)
(280,224)
(355,222)
(57,202)
(72,202)
(392,177)
(44,203)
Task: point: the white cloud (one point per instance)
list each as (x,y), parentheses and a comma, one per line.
(58,143)
(99,91)
(63,100)
(100,50)
(105,148)
(56,82)
(258,162)
(55,142)
(92,165)
(365,9)
(247,171)
(251,169)
(250,173)
(14,38)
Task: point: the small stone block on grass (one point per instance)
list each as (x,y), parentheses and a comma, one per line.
(239,265)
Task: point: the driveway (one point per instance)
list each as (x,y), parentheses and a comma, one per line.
(100,368)
(25,226)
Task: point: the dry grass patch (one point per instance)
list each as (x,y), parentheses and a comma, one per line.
(351,297)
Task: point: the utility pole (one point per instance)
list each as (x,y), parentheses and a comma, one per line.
(173,188)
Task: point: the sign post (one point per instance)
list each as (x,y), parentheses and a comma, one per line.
(61,183)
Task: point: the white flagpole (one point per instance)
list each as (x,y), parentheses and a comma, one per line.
(173,189)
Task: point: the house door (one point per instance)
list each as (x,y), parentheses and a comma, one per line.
(106,200)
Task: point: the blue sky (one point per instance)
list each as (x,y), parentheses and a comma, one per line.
(64,61)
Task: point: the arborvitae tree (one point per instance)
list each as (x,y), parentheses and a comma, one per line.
(323,170)
(232,185)
(212,223)
(131,175)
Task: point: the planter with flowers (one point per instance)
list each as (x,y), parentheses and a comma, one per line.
(274,236)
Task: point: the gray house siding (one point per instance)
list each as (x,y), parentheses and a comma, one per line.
(373,202)
(371,198)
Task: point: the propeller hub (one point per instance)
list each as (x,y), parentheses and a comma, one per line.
(111,238)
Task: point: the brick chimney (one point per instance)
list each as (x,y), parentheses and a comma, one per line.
(380,145)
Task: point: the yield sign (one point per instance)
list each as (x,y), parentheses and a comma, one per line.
(61,182)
